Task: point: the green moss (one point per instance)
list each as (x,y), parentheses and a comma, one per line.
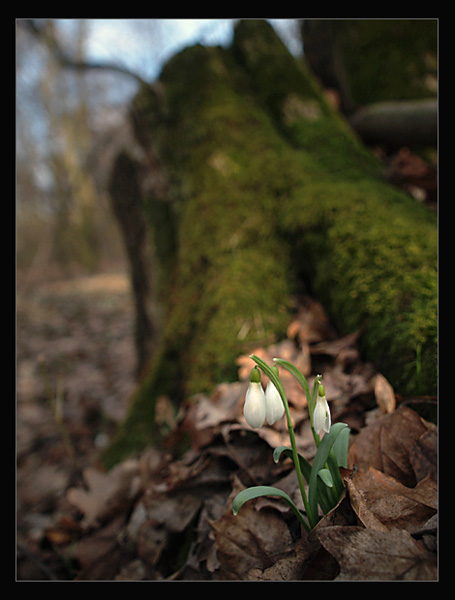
(371,255)
(269,184)
(369,250)
(232,170)
(231,287)
(294,100)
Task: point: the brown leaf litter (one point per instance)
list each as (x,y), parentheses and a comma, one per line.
(158,517)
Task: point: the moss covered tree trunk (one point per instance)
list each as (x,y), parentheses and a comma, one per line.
(269,187)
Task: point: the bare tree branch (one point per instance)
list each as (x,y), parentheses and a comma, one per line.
(40,32)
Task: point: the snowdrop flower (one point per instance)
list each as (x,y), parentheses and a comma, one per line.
(325,485)
(274,407)
(321,414)
(254,409)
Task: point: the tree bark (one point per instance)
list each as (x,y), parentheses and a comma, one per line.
(271,187)
(126,200)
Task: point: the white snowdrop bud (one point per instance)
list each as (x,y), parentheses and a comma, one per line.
(274,407)
(254,408)
(321,414)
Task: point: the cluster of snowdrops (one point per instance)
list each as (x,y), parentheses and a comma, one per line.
(325,485)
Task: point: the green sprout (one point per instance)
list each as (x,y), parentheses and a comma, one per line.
(325,485)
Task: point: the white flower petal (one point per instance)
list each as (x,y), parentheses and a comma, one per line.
(321,416)
(274,407)
(254,409)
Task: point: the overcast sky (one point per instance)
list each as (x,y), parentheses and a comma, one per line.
(123,39)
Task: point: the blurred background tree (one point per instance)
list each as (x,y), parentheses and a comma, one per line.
(64,221)
(373,60)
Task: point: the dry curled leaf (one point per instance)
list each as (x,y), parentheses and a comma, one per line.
(384,394)
(400,444)
(383,503)
(106,493)
(99,555)
(289,568)
(251,539)
(311,323)
(371,555)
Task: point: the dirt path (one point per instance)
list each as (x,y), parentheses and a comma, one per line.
(75,348)
(75,369)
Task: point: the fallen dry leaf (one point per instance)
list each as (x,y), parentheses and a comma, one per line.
(252,539)
(99,555)
(333,347)
(383,503)
(133,571)
(106,493)
(39,485)
(151,541)
(384,394)
(371,555)
(311,323)
(308,561)
(289,568)
(205,415)
(400,444)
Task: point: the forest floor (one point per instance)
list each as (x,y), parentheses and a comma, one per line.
(75,373)
(158,516)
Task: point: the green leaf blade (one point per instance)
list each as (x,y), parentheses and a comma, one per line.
(265,490)
(305,466)
(320,459)
(340,448)
(256,492)
(326,477)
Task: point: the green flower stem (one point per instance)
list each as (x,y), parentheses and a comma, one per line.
(311,396)
(295,457)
